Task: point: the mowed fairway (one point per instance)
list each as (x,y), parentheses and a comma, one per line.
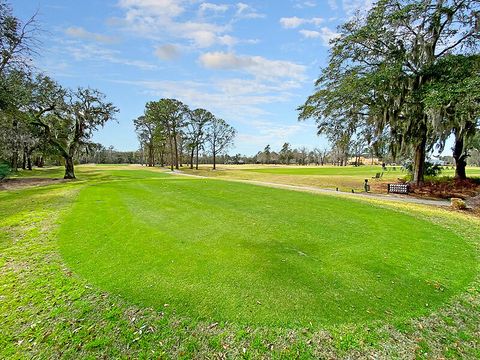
(222,251)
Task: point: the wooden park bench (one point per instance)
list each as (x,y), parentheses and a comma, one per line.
(398,188)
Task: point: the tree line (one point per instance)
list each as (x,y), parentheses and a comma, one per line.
(168,130)
(38,117)
(406,76)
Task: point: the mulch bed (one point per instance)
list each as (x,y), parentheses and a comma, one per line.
(463,189)
(12,184)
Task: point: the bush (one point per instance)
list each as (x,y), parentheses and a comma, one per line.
(4,170)
(458,204)
(430,168)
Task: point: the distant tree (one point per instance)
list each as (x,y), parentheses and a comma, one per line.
(196,125)
(146,130)
(358,148)
(320,156)
(303,155)
(220,136)
(286,154)
(172,115)
(268,154)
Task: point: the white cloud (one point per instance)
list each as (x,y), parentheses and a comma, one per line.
(162,8)
(310,34)
(239,99)
(294,21)
(167,52)
(157,19)
(228,40)
(172,21)
(325,34)
(352,6)
(239,104)
(305,4)
(215,8)
(81,33)
(246,11)
(257,66)
(273,133)
(91,52)
(333,4)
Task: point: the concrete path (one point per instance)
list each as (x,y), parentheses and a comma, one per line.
(389,197)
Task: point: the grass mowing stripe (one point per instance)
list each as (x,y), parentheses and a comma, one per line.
(254,255)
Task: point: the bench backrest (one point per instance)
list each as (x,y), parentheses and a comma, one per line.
(398,188)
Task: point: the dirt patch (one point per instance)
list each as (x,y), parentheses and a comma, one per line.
(12,184)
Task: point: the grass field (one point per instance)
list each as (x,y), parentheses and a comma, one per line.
(136,263)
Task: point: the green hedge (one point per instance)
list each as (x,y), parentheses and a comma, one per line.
(4,170)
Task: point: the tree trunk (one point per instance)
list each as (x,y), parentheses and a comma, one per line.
(69,168)
(25,155)
(24,160)
(176,151)
(459,157)
(15,160)
(162,158)
(192,154)
(419,163)
(172,154)
(151,159)
(214,160)
(196,157)
(29,162)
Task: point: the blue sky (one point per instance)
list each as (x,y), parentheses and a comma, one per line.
(249,62)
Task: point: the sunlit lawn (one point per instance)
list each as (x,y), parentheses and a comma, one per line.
(132,262)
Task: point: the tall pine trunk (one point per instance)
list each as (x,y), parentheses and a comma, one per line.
(192,154)
(460,157)
(176,151)
(196,157)
(172,154)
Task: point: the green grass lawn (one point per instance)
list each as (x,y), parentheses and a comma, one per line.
(87,267)
(235,252)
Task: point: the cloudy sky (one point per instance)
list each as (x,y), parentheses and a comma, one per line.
(250,62)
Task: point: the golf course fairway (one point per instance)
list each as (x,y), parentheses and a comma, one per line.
(225,251)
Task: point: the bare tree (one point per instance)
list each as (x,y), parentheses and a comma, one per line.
(17,39)
(199,120)
(220,136)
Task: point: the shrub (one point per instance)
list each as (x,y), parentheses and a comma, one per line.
(458,204)
(4,170)
(430,168)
